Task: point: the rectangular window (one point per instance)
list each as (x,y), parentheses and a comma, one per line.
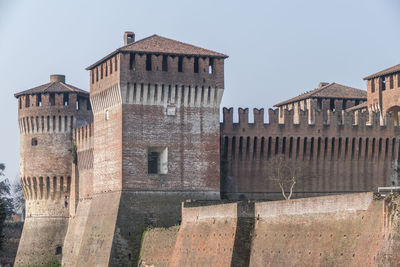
(27,97)
(398,79)
(157,160)
(391,81)
(38,100)
(383,84)
(211,66)
(180,64)
(196,65)
(132,61)
(165,63)
(65,100)
(52,99)
(148,62)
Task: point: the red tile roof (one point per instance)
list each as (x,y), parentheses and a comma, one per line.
(161,45)
(391,70)
(332,90)
(53,87)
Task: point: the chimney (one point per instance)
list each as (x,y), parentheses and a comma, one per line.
(129,37)
(57,78)
(322,84)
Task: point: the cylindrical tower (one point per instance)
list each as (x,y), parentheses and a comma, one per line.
(46,115)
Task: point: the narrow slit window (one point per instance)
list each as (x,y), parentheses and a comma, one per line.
(165,63)
(27,97)
(148,62)
(383,84)
(39,100)
(180,64)
(65,100)
(132,61)
(52,99)
(211,66)
(196,65)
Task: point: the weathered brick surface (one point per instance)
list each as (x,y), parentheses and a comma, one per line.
(158,245)
(345,153)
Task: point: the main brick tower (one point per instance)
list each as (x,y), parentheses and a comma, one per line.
(156,141)
(46,116)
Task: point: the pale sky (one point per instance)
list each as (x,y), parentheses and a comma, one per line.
(277,49)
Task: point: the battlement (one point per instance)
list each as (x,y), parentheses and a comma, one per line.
(83,137)
(302,120)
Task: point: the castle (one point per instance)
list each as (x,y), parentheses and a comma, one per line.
(98,169)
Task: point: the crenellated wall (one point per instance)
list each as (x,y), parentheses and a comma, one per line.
(347,152)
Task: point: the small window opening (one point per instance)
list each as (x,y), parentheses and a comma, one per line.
(180,64)
(148,62)
(77,104)
(111,66)
(391,81)
(165,63)
(27,97)
(34,142)
(398,79)
(58,250)
(132,62)
(39,100)
(129,256)
(116,65)
(383,84)
(157,160)
(65,100)
(106,115)
(196,65)
(92,76)
(101,71)
(211,66)
(20,102)
(332,105)
(88,105)
(97,74)
(52,99)
(106,69)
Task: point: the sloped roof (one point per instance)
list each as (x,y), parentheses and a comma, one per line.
(53,87)
(393,69)
(358,107)
(162,45)
(332,90)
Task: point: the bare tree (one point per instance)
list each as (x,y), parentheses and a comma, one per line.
(285,173)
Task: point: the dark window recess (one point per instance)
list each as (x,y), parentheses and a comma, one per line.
(27,97)
(58,250)
(20,102)
(132,62)
(165,63)
(52,99)
(391,81)
(196,65)
(92,76)
(34,142)
(101,72)
(39,100)
(180,64)
(148,62)
(97,74)
(153,159)
(65,100)
(383,84)
(88,105)
(211,66)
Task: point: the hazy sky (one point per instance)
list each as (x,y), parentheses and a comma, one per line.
(277,49)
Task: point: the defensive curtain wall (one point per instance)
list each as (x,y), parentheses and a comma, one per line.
(342,230)
(346,151)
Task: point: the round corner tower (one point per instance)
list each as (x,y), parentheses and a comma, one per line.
(46,116)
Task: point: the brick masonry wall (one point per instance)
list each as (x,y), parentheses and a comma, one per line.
(345,153)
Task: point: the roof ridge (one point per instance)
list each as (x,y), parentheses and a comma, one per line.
(47,87)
